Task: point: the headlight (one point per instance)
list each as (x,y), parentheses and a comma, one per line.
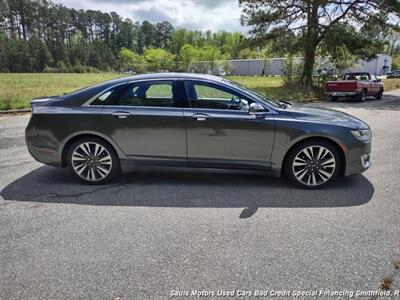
(362,135)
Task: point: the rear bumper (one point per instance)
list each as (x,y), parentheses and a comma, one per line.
(40,149)
(45,155)
(340,94)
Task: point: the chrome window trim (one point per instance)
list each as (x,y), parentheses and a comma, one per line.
(237,90)
(139,107)
(270,111)
(88,102)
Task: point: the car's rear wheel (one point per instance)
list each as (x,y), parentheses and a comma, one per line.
(312,164)
(334,98)
(362,96)
(93,160)
(379,95)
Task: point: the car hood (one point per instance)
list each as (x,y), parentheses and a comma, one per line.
(325,115)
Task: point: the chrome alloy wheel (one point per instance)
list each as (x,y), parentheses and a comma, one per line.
(91,161)
(314,165)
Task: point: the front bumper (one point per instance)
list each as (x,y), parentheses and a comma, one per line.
(358,159)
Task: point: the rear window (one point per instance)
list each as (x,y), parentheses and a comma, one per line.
(360,76)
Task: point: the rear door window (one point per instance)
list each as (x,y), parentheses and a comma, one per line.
(154,93)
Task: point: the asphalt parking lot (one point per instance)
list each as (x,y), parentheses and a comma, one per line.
(158,230)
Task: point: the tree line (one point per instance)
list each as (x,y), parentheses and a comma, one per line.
(42,36)
(38,35)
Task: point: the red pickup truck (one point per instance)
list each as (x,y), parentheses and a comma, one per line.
(355,86)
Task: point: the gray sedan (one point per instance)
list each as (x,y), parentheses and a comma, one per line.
(192,120)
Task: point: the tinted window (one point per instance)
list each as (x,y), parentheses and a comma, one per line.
(204,95)
(254,93)
(357,76)
(155,93)
(109,96)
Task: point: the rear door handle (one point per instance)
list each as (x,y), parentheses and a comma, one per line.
(120,114)
(200,117)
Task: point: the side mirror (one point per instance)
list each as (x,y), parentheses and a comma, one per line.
(256,109)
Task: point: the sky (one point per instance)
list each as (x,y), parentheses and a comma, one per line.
(202,15)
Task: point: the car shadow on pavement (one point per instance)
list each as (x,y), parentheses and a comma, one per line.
(170,187)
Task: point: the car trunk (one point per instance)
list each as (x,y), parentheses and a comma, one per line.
(37,103)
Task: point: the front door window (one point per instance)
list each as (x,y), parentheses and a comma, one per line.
(209,96)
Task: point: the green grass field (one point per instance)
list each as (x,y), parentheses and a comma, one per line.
(17,89)
(272,87)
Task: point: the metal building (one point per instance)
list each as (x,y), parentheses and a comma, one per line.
(380,65)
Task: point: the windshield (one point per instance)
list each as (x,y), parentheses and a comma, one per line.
(252,92)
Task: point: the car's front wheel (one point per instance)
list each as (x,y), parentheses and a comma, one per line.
(379,95)
(93,160)
(312,164)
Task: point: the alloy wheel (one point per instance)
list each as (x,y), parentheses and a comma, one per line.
(91,161)
(314,165)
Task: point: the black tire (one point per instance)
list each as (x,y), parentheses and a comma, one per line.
(361,97)
(334,98)
(289,168)
(379,95)
(102,172)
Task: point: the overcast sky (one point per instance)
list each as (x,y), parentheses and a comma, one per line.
(192,14)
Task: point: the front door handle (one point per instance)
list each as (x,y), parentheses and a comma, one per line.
(120,114)
(200,117)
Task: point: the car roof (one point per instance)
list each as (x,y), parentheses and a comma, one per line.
(151,76)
